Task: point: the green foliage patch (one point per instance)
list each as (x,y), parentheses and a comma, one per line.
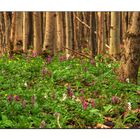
(59,93)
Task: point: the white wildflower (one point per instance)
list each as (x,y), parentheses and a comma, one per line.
(127,80)
(129,106)
(64,97)
(25,84)
(109,65)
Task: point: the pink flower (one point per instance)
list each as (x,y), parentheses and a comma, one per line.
(10,98)
(17,98)
(44,71)
(92,61)
(70,92)
(82,91)
(49,59)
(93,103)
(34,54)
(82,99)
(85,105)
(61,58)
(115,100)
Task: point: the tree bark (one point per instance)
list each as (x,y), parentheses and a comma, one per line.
(12,34)
(115,35)
(68,32)
(18,31)
(59,31)
(37,33)
(130,60)
(49,33)
(25,31)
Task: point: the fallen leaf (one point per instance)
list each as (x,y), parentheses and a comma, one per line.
(101,126)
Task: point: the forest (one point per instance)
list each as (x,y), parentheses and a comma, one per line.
(70,70)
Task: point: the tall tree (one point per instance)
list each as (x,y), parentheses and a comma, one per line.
(7,27)
(101,33)
(49,37)
(37,32)
(59,31)
(115,34)
(130,60)
(12,35)
(25,30)
(93,32)
(18,31)
(68,22)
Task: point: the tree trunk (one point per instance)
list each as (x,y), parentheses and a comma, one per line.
(130,60)
(101,33)
(7,33)
(37,33)
(12,34)
(93,38)
(59,31)
(18,31)
(68,32)
(49,32)
(115,34)
(25,31)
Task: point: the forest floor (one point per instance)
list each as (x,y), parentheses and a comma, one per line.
(59,93)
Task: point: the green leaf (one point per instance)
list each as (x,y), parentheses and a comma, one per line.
(107,108)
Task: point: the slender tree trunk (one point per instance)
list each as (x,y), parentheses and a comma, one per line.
(115,34)
(49,32)
(59,31)
(101,33)
(25,31)
(93,32)
(37,33)
(12,34)
(7,27)
(18,31)
(68,32)
(130,60)
(75,32)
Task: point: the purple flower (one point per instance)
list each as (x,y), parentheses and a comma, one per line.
(70,92)
(82,91)
(92,103)
(17,98)
(69,89)
(44,71)
(85,105)
(115,100)
(82,99)
(92,61)
(62,58)
(34,54)
(10,98)
(49,59)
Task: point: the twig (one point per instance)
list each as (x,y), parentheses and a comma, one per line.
(82,21)
(57,118)
(77,52)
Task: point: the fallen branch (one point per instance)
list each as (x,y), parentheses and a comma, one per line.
(82,21)
(81,54)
